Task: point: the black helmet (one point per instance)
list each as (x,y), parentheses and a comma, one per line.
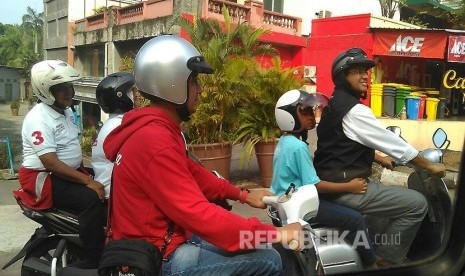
(348,59)
(113,93)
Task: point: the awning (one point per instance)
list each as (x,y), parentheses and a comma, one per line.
(410,44)
(456,49)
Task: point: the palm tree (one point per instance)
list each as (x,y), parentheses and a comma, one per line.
(389,7)
(257,115)
(231,50)
(35,21)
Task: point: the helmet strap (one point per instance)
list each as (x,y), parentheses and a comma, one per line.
(183,113)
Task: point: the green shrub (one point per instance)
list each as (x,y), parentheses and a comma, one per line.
(88,137)
(100,9)
(32,99)
(15,104)
(15,151)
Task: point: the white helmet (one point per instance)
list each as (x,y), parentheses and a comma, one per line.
(163,66)
(48,73)
(286,107)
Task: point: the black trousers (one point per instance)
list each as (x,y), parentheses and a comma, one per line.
(83,202)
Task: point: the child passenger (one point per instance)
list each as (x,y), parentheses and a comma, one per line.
(292,163)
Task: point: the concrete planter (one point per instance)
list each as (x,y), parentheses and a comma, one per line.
(264,151)
(216,156)
(15,111)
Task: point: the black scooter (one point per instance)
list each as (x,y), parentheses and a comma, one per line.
(38,251)
(436,225)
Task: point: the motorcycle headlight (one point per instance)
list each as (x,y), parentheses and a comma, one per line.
(432,155)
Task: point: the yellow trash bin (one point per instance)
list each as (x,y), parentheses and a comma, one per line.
(431,108)
(376,103)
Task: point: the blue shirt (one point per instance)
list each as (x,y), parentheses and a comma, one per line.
(292,164)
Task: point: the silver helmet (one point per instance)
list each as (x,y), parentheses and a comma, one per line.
(163,66)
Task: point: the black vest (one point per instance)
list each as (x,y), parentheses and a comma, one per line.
(337,158)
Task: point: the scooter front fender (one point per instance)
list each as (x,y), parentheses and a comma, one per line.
(436,225)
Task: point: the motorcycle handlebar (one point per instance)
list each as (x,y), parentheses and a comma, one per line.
(293,245)
(270,200)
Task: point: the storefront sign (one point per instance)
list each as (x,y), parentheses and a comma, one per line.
(456,49)
(451,80)
(410,44)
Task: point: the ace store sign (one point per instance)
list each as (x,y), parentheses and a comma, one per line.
(410,44)
(456,49)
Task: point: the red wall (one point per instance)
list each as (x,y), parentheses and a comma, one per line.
(331,36)
(341,25)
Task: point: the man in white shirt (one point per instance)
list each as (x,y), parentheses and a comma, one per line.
(348,135)
(115,96)
(52,174)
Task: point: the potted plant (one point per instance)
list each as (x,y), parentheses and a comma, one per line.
(14,106)
(230,50)
(258,130)
(31,101)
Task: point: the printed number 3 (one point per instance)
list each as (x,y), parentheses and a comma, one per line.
(39,139)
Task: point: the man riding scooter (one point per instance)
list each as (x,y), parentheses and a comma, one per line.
(348,136)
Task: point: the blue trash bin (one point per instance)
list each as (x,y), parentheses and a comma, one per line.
(413,105)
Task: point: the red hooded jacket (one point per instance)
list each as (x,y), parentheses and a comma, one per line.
(154,182)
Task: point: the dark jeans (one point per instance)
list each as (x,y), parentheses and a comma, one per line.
(84,202)
(350,223)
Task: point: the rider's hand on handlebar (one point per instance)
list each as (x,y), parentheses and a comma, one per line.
(254,198)
(386,162)
(357,186)
(291,232)
(97,187)
(436,169)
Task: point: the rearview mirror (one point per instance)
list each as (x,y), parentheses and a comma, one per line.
(439,138)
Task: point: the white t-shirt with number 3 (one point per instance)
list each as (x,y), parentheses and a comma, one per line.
(44,131)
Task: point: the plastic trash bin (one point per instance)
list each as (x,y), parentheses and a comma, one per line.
(413,104)
(376,102)
(421,109)
(389,101)
(441,108)
(431,108)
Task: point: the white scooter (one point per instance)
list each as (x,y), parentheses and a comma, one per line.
(321,254)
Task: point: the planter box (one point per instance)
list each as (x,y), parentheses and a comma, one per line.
(216,156)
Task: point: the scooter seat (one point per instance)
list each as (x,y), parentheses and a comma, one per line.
(273,214)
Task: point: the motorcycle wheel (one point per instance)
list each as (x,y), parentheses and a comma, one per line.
(44,253)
